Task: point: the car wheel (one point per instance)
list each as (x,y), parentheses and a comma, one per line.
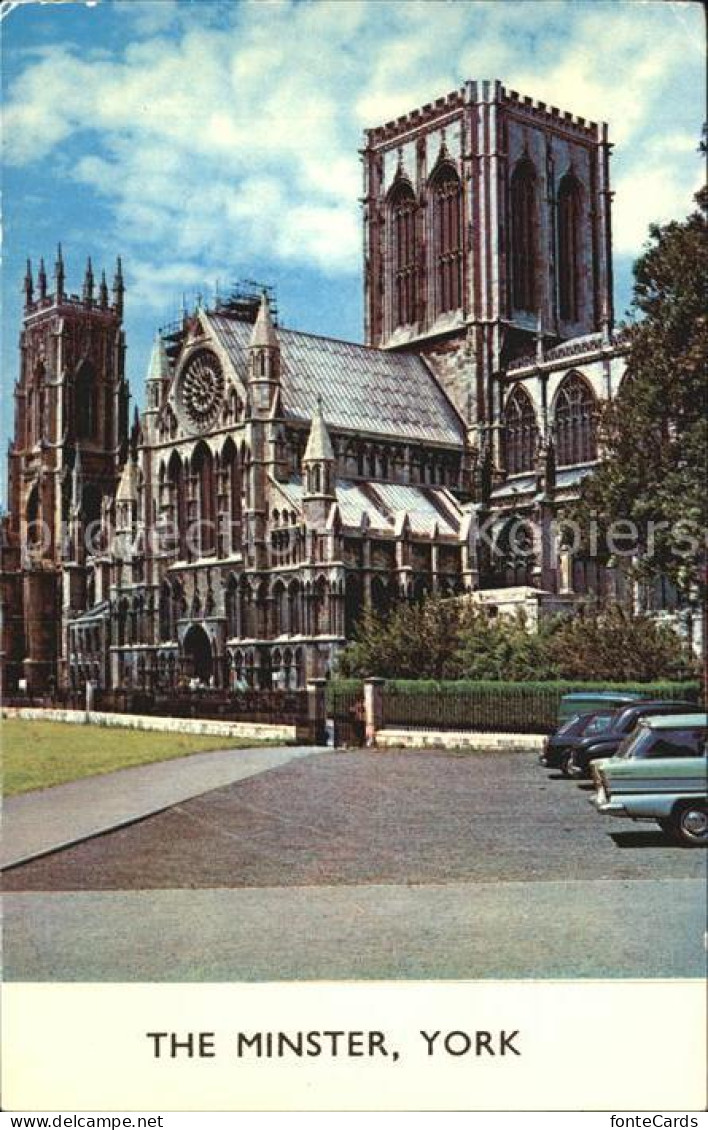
(564,763)
(690,824)
(577,772)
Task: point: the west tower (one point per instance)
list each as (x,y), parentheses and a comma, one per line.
(71,424)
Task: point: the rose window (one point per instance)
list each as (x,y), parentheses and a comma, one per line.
(202,389)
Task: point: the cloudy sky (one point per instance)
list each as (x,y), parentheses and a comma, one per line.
(209,140)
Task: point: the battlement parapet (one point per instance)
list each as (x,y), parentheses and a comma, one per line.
(479,92)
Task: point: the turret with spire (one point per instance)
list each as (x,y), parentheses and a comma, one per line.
(28,286)
(42,281)
(59,293)
(127,505)
(264,362)
(158,374)
(318,471)
(118,288)
(103,292)
(157,382)
(87,294)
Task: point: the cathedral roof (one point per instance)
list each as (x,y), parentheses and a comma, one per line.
(427,507)
(367,390)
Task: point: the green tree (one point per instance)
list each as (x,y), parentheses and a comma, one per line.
(615,646)
(654,436)
(416,641)
(453,639)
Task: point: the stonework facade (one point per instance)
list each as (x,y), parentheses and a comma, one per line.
(277,483)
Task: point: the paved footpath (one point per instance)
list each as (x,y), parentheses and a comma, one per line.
(449,931)
(48,819)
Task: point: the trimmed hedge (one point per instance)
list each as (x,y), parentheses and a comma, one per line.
(491,705)
(691,690)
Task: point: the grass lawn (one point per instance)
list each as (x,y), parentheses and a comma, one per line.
(38,754)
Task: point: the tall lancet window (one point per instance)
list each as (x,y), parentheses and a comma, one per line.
(521,435)
(85,402)
(401,203)
(574,425)
(569,247)
(523,236)
(447,238)
(203,469)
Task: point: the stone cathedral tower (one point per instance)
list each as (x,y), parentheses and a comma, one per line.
(71,424)
(486,232)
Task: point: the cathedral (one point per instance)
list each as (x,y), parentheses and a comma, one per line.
(277,482)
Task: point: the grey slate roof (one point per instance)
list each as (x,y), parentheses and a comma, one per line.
(362,389)
(522,484)
(525,484)
(573,476)
(384,502)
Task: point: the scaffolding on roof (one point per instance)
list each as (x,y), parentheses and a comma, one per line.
(241,302)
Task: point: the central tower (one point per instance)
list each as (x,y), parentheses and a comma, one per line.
(486,226)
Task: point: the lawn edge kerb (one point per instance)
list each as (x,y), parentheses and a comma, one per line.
(18,778)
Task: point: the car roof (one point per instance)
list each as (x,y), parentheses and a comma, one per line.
(675,721)
(653,703)
(603,696)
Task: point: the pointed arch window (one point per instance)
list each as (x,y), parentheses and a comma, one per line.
(178,504)
(523,236)
(231,607)
(232,484)
(85,401)
(34,516)
(569,248)
(447,238)
(521,435)
(403,251)
(165,612)
(203,469)
(574,424)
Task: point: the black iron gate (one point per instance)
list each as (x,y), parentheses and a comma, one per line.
(345,709)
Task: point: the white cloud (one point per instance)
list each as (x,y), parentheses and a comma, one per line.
(666,193)
(222,133)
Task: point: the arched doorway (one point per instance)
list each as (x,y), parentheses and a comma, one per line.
(197,653)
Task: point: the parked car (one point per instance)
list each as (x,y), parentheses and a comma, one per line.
(558,747)
(660,773)
(587,702)
(606,744)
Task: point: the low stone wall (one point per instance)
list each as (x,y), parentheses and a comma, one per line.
(458,739)
(257,730)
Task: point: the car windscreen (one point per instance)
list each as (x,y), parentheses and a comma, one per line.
(597,724)
(569,725)
(634,743)
(675,743)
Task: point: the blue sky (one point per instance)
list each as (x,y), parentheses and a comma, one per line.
(217,139)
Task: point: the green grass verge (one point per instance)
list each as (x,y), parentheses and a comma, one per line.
(36,755)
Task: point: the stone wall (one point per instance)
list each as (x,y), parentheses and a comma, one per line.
(454,739)
(258,731)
